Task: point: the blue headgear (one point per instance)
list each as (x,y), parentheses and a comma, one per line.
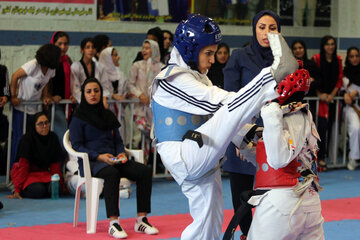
(194,34)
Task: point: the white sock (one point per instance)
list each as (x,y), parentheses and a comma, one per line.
(112,222)
(139,219)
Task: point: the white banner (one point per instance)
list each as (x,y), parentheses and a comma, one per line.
(45,9)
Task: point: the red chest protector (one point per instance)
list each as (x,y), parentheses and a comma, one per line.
(269,178)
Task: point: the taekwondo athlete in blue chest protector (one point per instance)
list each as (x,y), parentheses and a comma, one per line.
(183,98)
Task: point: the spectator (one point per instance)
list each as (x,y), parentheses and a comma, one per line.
(38,158)
(110,59)
(156,35)
(4,123)
(141,76)
(4,97)
(101,41)
(215,73)
(351,83)
(30,83)
(60,83)
(331,81)
(86,68)
(168,39)
(94,130)
(300,52)
(244,64)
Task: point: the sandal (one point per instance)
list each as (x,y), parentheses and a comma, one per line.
(322,166)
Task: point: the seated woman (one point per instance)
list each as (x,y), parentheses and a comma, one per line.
(95,130)
(38,158)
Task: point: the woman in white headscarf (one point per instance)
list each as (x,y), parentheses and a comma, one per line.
(110,60)
(141,76)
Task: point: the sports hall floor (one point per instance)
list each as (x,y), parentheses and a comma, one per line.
(52,219)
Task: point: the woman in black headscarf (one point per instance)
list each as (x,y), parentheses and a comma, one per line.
(244,64)
(38,158)
(215,73)
(95,130)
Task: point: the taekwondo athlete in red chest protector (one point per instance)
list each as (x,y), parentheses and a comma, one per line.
(286,166)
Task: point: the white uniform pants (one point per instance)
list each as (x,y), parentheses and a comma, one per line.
(206,207)
(187,162)
(269,223)
(353,122)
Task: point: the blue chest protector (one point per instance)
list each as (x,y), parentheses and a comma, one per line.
(171,124)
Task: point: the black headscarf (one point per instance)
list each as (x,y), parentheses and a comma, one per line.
(263,53)
(40,150)
(96,115)
(350,71)
(215,73)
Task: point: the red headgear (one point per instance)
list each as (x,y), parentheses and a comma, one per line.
(298,81)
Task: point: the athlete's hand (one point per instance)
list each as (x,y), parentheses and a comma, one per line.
(15,101)
(3,101)
(46,101)
(347,98)
(144,99)
(73,99)
(118,97)
(56,99)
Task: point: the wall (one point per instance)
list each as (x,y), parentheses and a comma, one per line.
(21,38)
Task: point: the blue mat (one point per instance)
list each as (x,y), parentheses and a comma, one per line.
(168,199)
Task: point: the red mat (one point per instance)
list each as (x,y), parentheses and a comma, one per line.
(170,226)
(341,209)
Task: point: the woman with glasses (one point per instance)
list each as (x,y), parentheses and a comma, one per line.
(38,158)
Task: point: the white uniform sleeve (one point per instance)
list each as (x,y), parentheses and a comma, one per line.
(183,92)
(104,80)
(248,150)
(354,87)
(6,90)
(281,145)
(29,67)
(132,80)
(52,73)
(123,82)
(75,81)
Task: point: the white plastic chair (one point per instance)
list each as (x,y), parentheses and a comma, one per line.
(93,185)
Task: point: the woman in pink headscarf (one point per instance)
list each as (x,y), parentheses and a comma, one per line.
(141,76)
